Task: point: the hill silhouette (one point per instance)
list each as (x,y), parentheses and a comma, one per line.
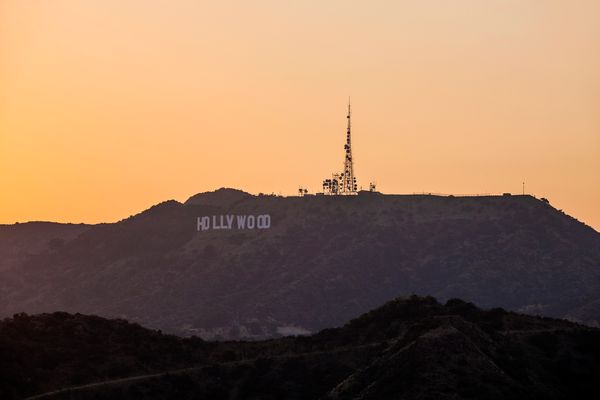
(410,348)
(323,261)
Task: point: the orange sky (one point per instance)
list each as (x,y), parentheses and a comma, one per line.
(110,106)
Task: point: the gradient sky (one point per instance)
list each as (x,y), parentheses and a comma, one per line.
(110,106)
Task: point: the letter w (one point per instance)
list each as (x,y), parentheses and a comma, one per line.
(241,221)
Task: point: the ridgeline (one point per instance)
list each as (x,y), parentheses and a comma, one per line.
(322,261)
(410,348)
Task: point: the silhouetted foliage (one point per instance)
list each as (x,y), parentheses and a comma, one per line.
(409,348)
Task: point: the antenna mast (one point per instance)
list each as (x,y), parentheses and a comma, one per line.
(344,183)
(348,180)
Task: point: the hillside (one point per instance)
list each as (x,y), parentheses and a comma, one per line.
(20,241)
(410,348)
(323,260)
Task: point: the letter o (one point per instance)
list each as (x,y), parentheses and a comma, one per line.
(251,222)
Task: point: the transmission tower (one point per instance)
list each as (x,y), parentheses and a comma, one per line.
(348,180)
(344,183)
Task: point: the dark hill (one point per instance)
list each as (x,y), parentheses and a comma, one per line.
(411,348)
(223,197)
(323,261)
(19,241)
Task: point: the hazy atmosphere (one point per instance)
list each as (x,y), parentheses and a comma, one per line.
(108,107)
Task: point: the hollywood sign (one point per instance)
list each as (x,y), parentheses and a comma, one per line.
(233,222)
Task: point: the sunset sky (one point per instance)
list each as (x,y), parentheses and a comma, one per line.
(110,106)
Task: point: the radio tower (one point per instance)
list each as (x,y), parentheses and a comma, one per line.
(347,178)
(343,183)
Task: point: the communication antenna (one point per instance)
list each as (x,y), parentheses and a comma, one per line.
(523,188)
(348,185)
(344,183)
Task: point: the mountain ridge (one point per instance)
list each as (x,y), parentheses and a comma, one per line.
(323,260)
(410,348)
